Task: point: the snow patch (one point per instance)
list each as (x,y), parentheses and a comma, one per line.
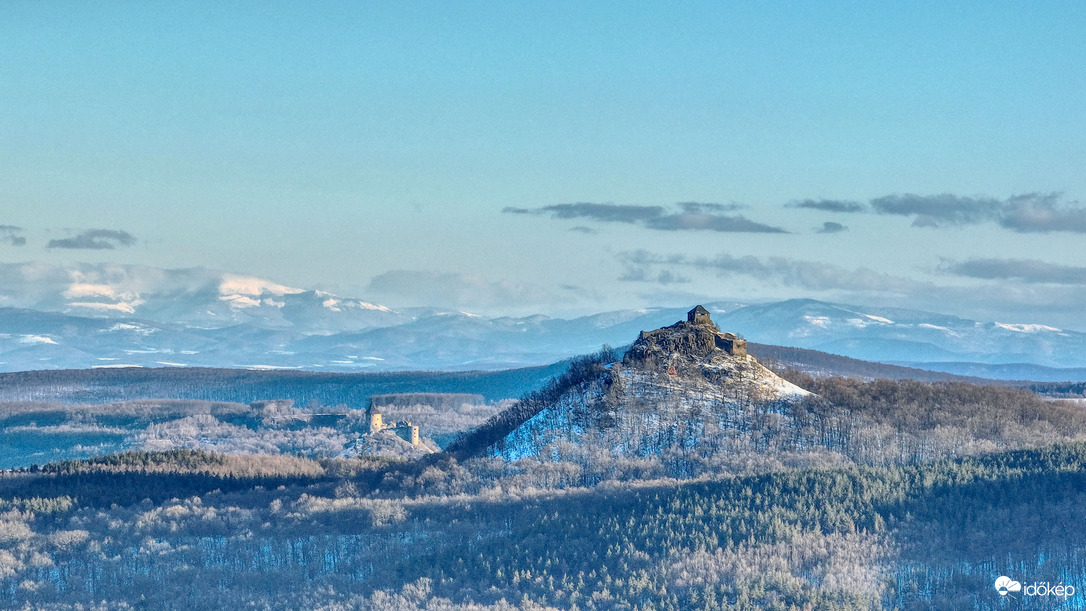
(139,329)
(240,301)
(372,306)
(233,284)
(885,321)
(1027,328)
(945,330)
(127,308)
(818,321)
(36,339)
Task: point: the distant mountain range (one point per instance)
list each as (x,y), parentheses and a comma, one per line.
(113,315)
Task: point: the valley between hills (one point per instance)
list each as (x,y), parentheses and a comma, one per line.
(687,470)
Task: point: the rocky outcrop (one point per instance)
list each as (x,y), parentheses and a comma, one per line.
(656,349)
(692,341)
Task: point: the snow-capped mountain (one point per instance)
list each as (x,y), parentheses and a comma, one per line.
(83,316)
(193,297)
(893,335)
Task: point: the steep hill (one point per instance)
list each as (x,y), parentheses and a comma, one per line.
(680,390)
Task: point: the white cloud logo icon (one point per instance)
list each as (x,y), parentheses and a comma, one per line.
(1005,584)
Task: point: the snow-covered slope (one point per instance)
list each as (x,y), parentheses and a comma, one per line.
(675,392)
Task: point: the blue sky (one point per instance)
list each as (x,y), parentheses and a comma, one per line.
(560,157)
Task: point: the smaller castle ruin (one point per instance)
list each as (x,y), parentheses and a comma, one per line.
(403,429)
(731,344)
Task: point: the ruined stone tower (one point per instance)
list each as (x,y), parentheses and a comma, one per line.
(699,316)
(375,418)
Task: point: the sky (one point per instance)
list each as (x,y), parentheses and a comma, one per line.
(560,157)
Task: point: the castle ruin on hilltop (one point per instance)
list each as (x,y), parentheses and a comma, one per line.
(697,337)
(403,429)
(728,342)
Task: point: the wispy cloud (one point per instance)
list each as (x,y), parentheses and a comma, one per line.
(11,235)
(944,210)
(95,239)
(607,213)
(832,227)
(1042,213)
(685,221)
(1023,270)
(1031,212)
(708,207)
(810,275)
(684,216)
(829,205)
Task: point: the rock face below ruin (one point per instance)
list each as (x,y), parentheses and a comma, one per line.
(686,340)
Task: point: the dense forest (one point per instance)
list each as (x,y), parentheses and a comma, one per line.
(297,533)
(864,495)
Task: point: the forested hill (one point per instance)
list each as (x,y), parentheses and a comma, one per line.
(608,418)
(674,387)
(245,385)
(145,527)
